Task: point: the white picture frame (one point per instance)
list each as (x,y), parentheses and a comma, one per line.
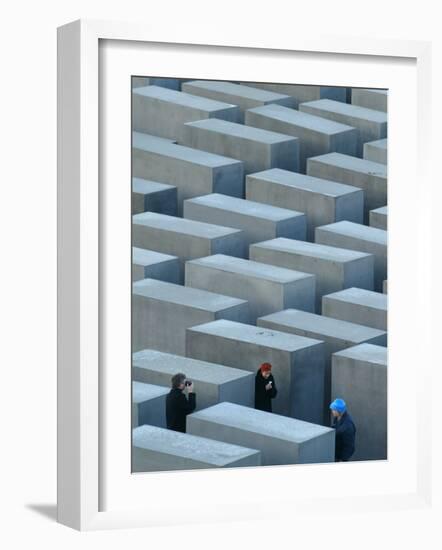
(95,487)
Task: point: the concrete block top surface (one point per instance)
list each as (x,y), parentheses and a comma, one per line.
(188,446)
(180,152)
(143,186)
(320,251)
(141,256)
(182,98)
(357,231)
(361,297)
(306,183)
(201,371)
(143,392)
(354,164)
(240,131)
(246,207)
(184,295)
(323,326)
(297,118)
(378,143)
(142,139)
(261,422)
(182,225)
(249,268)
(348,109)
(251,334)
(369,353)
(239,90)
(383,210)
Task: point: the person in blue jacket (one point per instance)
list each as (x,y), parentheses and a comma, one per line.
(345,431)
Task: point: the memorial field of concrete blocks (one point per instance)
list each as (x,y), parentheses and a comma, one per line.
(259,234)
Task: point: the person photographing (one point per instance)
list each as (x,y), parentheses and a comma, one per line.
(345,431)
(180,401)
(265,388)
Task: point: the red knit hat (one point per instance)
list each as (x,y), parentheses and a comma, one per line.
(266,367)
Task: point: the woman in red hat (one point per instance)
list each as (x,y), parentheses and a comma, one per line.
(265,388)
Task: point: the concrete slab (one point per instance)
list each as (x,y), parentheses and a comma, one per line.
(213,382)
(160,310)
(370,98)
(359,376)
(316,135)
(355,236)
(384,287)
(322,201)
(379,217)
(148,405)
(147,264)
(154,197)
(376,151)
(142,81)
(256,220)
(301,92)
(298,362)
(193,172)
(156,449)
(281,440)
(369,176)
(334,269)
(266,288)
(162,112)
(258,149)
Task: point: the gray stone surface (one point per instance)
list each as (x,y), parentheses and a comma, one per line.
(266,288)
(322,201)
(259,149)
(334,268)
(193,172)
(147,264)
(369,176)
(213,382)
(355,236)
(281,440)
(376,151)
(156,449)
(245,97)
(358,306)
(371,124)
(301,92)
(162,112)
(359,376)
(379,217)
(298,362)
(148,405)
(154,197)
(385,287)
(370,98)
(161,312)
(184,238)
(142,81)
(257,221)
(316,135)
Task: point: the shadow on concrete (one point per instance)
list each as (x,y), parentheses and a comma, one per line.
(49,511)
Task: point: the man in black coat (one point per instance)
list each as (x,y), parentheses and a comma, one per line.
(265,388)
(345,431)
(178,404)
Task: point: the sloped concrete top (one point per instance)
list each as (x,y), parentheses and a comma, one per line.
(369,353)
(143,392)
(362,297)
(357,231)
(141,256)
(378,143)
(348,109)
(354,164)
(140,185)
(382,210)
(239,90)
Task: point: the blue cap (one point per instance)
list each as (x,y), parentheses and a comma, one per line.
(338,405)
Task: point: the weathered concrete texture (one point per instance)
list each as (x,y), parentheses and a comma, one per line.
(266,288)
(385,287)
(148,405)
(335,334)
(162,112)
(281,440)
(355,236)
(154,197)
(370,123)
(298,362)
(193,172)
(334,268)
(161,312)
(258,149)
(370,98)
(322,201)
(184,238)
(147,264)
(316,135)
(142,81)
(379,217)
(358,306)
(213,383)
(369,176)
(156,449)
(301,93)
(376,151)
(245,97)
(257,221)
(359,376)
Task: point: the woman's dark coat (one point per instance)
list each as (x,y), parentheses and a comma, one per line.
(263,397)
(178,406)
